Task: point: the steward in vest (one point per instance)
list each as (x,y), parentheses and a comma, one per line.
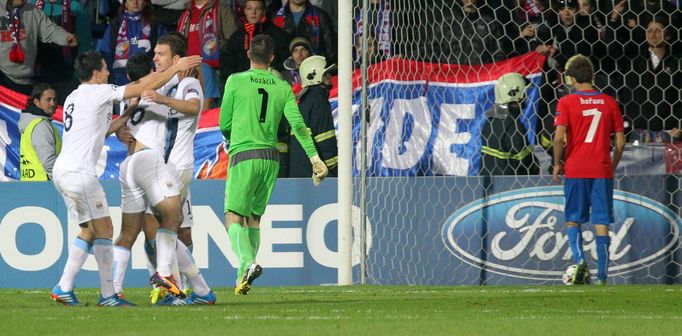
(40,141)
(505,147)
(317,114)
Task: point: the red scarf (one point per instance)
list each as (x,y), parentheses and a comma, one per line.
(209,28)
(123,46)
(250,29)
(16,55)
(66,13)
(66,21)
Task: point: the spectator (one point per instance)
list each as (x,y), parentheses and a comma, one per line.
(167,12)
(317,114)
(301,19)
(54,64)
(379,27)
(641,12)
(300,49)
(99,12)
(527,26)
(18,53)
(466,33)
(40,140)
(374,53)
(593,27)
(571,38)
(331,7)
(208,25)
(133,31)
(233,56)
(477,34)
(651,94)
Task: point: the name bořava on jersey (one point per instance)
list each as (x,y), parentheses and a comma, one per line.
(590,118)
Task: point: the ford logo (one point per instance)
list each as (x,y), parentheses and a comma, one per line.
(520,233)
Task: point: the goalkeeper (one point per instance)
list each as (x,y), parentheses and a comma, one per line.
(250,114)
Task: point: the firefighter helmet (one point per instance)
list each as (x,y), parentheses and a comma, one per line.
(312,69)
(510,88)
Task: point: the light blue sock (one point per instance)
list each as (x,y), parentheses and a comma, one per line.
(575,240)
(603,243)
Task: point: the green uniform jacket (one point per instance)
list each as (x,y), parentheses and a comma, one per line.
(252,109)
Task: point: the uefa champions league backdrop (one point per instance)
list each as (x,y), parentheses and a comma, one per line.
(497,232)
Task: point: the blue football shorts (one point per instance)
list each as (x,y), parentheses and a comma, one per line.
(588,199)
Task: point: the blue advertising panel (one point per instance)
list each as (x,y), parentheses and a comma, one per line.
(298,244)
(422,230)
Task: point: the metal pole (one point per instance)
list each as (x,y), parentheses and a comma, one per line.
(364,112)
(345,181)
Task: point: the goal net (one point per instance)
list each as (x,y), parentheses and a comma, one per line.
(438,208)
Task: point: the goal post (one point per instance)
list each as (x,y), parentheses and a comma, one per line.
(431,207)
(345,144)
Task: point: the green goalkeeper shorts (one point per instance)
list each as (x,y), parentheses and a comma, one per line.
(249,186)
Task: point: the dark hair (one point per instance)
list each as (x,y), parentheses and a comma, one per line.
(261,1)
(86,63)
(176,42)
(38,91)
(663,22)
(147,13)
(262,49)
(580,67)
(138,66)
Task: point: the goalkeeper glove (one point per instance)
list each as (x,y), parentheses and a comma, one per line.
(319,170)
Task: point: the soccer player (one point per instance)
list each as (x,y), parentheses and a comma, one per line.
(250,115)
(585,121)
(87,121)
(185,101)
(146,180)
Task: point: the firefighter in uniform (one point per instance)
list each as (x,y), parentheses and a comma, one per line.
(317,114)
(505,147)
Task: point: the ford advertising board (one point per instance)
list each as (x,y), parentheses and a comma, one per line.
(523,236)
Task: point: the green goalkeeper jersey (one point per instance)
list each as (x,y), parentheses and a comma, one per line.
(252,109)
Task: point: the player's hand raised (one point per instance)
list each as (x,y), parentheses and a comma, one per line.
(320,170)
(188,62)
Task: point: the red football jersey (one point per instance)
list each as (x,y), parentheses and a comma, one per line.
(590,117)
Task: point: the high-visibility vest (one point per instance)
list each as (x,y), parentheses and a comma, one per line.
(31,168)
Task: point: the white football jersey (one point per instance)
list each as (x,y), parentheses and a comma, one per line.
(183,127)
(148,124)
(87,115)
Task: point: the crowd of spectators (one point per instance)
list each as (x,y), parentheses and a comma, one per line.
(634,44)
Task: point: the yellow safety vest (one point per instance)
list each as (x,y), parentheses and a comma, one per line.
(30,166)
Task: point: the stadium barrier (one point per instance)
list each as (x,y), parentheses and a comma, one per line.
(505,233)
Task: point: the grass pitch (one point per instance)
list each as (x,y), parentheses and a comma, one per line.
(362,310)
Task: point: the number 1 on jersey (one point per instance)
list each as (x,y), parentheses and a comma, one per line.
(263,104)
(593,124)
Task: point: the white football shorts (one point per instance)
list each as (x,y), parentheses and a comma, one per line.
(83,195)
(185,177)
(145,181)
